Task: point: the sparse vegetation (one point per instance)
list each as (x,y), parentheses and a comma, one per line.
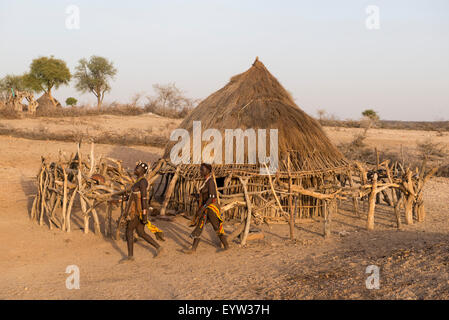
(94,75)
(431,150)
(169,101)
(132,137)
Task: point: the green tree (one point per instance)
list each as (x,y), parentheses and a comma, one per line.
(47,73)
(12,83)
(370,118)
(94,75)
(71,101)
(371,114)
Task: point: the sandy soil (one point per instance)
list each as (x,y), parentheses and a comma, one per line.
(413,262)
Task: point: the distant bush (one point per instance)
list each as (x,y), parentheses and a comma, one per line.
(113,109)
(9,113)
(433,150)
(71,101)
(131,137)
(154,107)
(438,126)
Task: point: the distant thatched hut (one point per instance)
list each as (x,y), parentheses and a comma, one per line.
(47,103)
(307,159)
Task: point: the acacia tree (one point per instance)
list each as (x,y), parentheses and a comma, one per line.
(370,118)
(371,114)
(171,97)
(93,76)
(47,73)
(11,83)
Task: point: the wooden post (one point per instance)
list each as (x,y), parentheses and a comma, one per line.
(372,205)
(290,201)
(249,207)
(329,208)
(43,195)
(274,192)
(169,192)
(409,198)
(92,160)
(64,201)
(51,204)
(96,221)
(69,210)
(85,215)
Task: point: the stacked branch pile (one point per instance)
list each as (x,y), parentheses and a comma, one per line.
(83,181)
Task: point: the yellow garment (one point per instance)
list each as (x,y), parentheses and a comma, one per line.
(153,228)
(214,208)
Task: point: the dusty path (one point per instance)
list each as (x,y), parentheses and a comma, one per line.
(414,263)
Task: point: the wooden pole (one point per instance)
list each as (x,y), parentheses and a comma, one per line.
(64,201)
(169,192)
(69,210)
(249,207)
(290,201)
(274,192)
(409,198)
(329,209)
(372,205)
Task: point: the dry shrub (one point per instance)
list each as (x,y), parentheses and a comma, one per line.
(443,171)
(131,137)
(439,126)
(153,107)
(431,150)
(9,113)
(356,149)
(112,109)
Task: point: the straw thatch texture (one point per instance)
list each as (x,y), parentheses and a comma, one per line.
(255,99)
(45,103)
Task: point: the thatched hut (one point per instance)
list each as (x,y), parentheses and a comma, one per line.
(307,158)
(46,103)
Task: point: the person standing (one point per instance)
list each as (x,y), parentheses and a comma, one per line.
(208,211)
(138,213)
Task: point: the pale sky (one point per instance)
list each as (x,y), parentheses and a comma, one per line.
(321,51)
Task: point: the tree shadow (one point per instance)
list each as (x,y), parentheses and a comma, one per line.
(29,188)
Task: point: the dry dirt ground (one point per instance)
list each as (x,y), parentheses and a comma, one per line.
(413,262)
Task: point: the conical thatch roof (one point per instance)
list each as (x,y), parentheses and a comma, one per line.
(45,103)
(255,99)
